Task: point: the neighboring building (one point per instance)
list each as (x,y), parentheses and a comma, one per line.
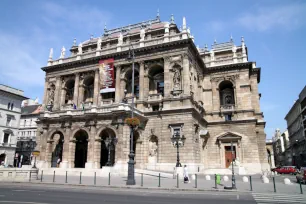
(209,96)
(27,130)
(10,103)
(270,153)
(296,129)
(280,146)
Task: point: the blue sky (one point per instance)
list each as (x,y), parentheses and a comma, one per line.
(274,32)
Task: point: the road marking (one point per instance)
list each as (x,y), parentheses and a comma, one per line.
(21,202)
(20,190)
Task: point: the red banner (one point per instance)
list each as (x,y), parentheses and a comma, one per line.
(107,76)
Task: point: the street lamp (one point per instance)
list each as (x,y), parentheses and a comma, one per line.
(233,173)
(111,142)
(178,142)
(131,163)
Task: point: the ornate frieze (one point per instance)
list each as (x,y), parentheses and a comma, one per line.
(231,78)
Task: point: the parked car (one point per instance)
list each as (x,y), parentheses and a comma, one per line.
(301,177)
(286,170)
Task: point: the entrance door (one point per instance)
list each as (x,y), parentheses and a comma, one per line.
(229,155)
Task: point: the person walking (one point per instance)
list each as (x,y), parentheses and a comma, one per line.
(186,176)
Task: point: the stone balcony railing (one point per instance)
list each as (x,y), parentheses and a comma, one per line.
(155,97)
(109,101)
(114,48)
(98,110)
(227,108)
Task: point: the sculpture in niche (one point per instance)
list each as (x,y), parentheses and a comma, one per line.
(228,99)
(153,147)
(177,78)
(51,95)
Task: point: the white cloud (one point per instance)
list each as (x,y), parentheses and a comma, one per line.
(286,17)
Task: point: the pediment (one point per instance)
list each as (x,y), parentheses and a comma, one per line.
(229,136)
(8,131)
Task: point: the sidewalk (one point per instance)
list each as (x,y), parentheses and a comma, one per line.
(153,182)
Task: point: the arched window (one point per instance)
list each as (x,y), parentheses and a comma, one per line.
(156,83)
(69,92)
(226,90)
(88,89)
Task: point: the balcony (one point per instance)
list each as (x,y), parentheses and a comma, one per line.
(227,108)
(155,97)
(109,101)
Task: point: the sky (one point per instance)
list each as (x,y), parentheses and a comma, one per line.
(274,32)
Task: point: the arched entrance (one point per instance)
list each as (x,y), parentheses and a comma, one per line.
(81,146)
(2,158)
(108,144)
(57,148)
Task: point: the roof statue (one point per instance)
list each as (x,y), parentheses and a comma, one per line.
(74,42)
(157,16)
(206,48)
(99,43)
(51,54)
(120,39)
(172,19)
(80,49)
(63,51)
(184,24)
(142,34)
(166,28)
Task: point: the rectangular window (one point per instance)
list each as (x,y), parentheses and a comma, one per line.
(8,121)
(228,117)
(155,108)
(6,138)
(177,132)
(29,133)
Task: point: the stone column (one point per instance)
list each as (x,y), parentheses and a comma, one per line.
(117,86)
(71,155)
(48,153)
(90,150)
(57,93)
(122,88)
(96,88)
(141,81)
(65,159)
(186,79)
(76,89)
(167,79)
(63,95)
(81,94)
(45,100)
(97,152)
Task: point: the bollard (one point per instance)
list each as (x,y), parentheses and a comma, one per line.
(251,187)
(274,184)
(53,176)
(301,189)
(95,179)
(66,177)
(41,178)
(196,181)
(30,176)
(216,187)
(159,180)
(177,181)
(80,177)
(141,179)
(109,178)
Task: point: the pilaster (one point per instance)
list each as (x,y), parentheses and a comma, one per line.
(117,88)
(57,93)
(76,88)
(186,79)
(96,88)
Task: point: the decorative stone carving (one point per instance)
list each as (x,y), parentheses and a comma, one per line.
(99,44)
(142,34)
(153,147)
(80,49)
(120,39)
(51,95)
(176,78)
(51,54)
(231,78)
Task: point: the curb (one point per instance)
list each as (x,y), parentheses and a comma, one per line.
(130,187)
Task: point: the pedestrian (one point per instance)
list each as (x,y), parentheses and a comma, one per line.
(186,176)
(58,162)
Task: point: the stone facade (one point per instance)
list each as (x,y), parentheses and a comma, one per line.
(209,96)
(10,103)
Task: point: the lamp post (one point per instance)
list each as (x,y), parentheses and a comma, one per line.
(178,141)
(131,163)
(111,142)
(233,173)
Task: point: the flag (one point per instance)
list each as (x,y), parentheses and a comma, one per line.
(74,106)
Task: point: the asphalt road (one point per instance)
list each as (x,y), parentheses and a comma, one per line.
(48,194)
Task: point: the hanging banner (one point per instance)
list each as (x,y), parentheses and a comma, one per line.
(107,76)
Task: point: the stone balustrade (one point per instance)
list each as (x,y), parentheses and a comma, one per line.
(155,97)
(225,108)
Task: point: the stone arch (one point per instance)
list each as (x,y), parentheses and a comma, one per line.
(106,127)
(128,85)
(88,83)
(55,146)
(75,130)
(156,79)
(69,90)
(108,144)
(81,137)
(226,93)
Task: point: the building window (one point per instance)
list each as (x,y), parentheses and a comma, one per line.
(8,106)
(12,106)
(226,89)
(8,121)
(155,108)
(177,131)
(228,117)
(29,133)
(6,138)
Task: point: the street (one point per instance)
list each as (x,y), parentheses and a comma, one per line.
(49,194)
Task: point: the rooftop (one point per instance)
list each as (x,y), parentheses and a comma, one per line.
(11,90)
